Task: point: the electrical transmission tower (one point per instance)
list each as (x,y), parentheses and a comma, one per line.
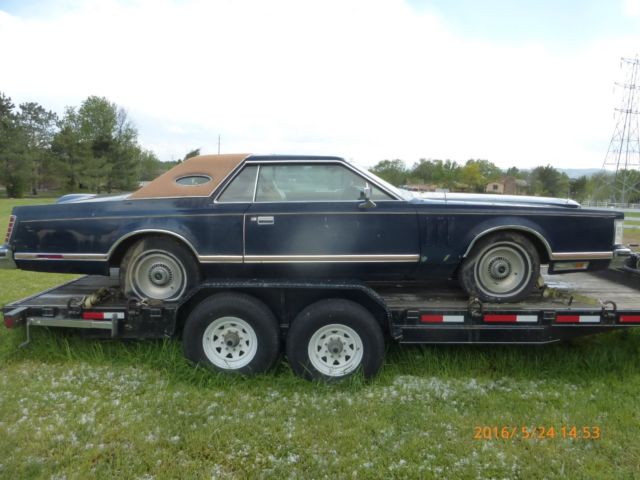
(623,154)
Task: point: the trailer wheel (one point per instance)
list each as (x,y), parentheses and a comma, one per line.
(503,267)
(158,268)
(333,339)
(232,332)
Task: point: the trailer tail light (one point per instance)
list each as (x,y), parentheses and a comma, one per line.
(629,318)
(12,222)
(102,315)
(442,318)
(510,318)
(578,319)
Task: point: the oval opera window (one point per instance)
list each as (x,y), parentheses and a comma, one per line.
(190,180)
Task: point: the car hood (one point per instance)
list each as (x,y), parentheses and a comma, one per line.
(488,199)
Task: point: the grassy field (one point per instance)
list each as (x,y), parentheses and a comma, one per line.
(77,408)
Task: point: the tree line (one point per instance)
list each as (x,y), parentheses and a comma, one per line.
(474,176)
(93,147)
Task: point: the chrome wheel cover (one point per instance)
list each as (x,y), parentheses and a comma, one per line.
(230,343)
(503,270)
(335,350)
(159,275)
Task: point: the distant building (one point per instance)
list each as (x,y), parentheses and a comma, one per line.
(508,186)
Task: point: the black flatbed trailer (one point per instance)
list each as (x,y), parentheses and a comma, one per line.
(566,307)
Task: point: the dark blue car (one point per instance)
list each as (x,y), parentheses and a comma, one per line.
(297,216)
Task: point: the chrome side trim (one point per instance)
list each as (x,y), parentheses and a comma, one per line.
(129,217)
(510,227)
(99,257)
(49,256)
(582,256)
(220,258)
(402,258)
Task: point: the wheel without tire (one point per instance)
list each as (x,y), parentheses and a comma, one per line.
(232,332)
(332,339)
(159,268)
(502,267)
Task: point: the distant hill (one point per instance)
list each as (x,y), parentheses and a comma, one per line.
(578,172)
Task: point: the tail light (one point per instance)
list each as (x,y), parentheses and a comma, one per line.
(12,222)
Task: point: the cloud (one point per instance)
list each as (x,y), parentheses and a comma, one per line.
(632,8)
(366,80)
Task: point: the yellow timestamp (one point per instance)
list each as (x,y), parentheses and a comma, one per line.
(540,432)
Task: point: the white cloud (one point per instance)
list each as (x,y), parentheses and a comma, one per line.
(366,80)
(632,8)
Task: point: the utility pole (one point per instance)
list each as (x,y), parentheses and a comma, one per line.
(218,144)
(623,154)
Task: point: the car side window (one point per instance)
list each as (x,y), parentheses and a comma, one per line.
(242,187)
(312,182)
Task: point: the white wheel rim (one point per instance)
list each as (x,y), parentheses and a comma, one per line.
(335,350)
(230,343)
(159,275)
(503,269)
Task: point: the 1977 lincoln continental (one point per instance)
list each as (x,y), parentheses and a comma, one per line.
(284,216)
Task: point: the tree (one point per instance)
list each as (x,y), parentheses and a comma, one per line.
(70,153)
(549,182)
(98,146)
(39,126)
(14,166)
(600,186)
(150,166)
(393,171)
(444,173)
(472,176)
(578,188)
(125,154)
(193,153)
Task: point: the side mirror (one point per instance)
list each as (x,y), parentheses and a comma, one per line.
(365,196)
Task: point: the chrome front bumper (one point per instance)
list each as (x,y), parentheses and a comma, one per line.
(620,256)
(6,257)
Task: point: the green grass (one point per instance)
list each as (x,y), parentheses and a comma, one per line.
(71,407)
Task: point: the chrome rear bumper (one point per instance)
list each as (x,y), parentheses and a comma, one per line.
(6,257)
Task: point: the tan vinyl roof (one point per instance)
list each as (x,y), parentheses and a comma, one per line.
(215,166)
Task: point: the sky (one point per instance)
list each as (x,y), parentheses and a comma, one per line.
(519,83)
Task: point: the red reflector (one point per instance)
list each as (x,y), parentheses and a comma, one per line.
(12,221)
(9,322)
(500,318)
(93,315)
(431,318)
(568,319)
(629,318)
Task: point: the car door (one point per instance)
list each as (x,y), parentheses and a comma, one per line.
(311,214)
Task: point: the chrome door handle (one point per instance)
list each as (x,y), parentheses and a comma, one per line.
(266,220)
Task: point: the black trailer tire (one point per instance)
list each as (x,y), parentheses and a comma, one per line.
(503,267)
(333,339)
(159,268)
(232,332)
